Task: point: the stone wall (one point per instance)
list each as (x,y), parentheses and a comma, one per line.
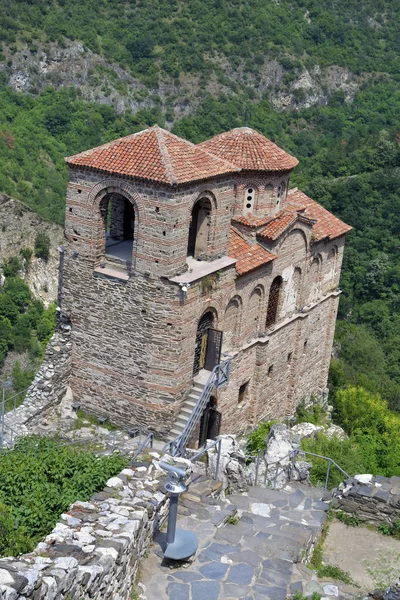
(96,548)
(371,499)
(46,390)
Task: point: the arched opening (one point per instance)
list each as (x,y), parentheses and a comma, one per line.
(199,229)
(200,351)
(254,311)
(297,287)
(273,301)
(118,217)
(232,322)
(210,422)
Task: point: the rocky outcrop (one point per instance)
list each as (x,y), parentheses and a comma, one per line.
(19,227)
(232,465)
(106,82)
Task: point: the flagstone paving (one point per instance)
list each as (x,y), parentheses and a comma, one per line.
(256,555)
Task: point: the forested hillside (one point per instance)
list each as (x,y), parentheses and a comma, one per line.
(201,67)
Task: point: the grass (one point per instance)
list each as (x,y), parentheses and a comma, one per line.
(316,562)
(85,418)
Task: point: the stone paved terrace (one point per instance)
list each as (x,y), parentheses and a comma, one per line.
(258,557)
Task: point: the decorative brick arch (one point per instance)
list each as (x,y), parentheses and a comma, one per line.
(124,188)
(204,194)
(296,231)
(206,190)
(255,308)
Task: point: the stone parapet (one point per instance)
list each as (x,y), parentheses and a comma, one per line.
(95,550)
(373,500)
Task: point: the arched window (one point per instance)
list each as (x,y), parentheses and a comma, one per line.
(249,199)
(199,230)
(273,301)
(118,217)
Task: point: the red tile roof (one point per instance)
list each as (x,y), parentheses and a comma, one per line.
(154,155)
(251,221)
(249,150)
(249,256)
(277,226)
(326,226)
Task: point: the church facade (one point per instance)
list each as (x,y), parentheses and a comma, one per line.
(179,258)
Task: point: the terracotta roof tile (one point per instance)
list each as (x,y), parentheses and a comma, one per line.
(251,221)
(249,256)
(249,150)
(154,155)
(277,226)
(327,225)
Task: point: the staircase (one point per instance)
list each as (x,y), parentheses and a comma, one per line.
(199,383)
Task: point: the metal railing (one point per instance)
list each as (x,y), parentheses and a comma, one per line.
(218,443)
(142,445)
(330,462)
(292,457)
(219,376)
(4,409)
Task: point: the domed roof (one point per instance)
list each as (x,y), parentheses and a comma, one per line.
(249,150)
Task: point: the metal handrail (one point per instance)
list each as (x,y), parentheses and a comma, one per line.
(219,376)
(149,438)
(330,461)
(217,442)
(292,456)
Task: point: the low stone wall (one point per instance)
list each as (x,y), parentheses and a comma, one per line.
(373,500)
(95,550)
(47,389)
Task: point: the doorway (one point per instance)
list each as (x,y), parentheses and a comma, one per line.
(210,422)
(208,344)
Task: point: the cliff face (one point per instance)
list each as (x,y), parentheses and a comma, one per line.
(106,82)
(19,227)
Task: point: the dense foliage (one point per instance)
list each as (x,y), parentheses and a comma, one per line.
(374,438)
(156,37)
(39,479)
(25,325)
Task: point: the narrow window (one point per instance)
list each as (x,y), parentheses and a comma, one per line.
(305,346)
(249,200)
(270,371)
(273,301)
(280,194)
(290,358)
(243,391)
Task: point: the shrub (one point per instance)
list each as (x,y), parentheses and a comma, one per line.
(313,413)
(257,439)
(42,245)
(11,266)
(39,479)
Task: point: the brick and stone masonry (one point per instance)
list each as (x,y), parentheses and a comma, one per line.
(135,209)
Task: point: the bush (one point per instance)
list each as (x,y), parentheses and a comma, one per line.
(313,413)
(257,439)
(39,479)
(12,266)
(42,245)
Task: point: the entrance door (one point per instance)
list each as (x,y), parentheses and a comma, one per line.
(213,349)
(210,423)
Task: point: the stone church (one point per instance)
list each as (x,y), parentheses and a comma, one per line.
(194,279)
